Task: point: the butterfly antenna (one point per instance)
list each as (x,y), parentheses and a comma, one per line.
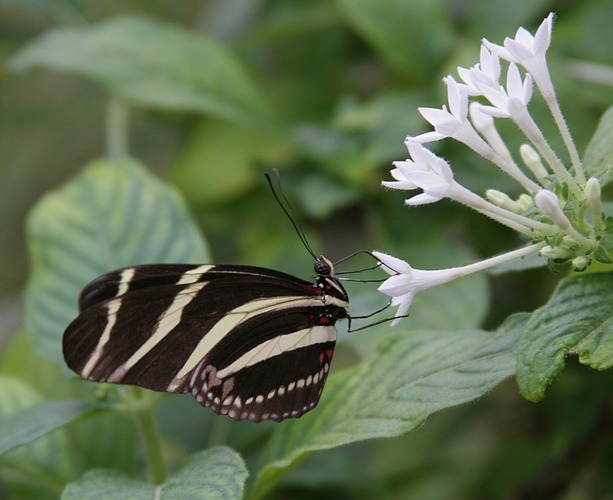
(287,208)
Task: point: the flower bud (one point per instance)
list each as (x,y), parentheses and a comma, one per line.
(533,162)
(580,263)
(549,204)
(550,252)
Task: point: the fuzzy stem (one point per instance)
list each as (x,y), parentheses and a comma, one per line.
(548,92)
(525,122)
(510,219)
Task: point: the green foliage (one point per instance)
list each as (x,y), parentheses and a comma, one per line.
(416,374)
(149,63)
(577,320)
(217,473)
(41,467)
(21,427)
(389,25)
(597,160)
(344,79)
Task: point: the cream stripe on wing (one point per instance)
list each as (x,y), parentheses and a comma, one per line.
(279,345)
(167,321)
(194,274)
(113,307)
(235,317)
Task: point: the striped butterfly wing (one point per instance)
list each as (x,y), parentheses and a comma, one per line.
(248,342)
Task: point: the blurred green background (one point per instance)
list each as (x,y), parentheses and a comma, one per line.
(337,84)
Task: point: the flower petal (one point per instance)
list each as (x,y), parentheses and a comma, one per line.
(391,264)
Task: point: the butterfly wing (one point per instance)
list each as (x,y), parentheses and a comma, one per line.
(249,334)
(278,373)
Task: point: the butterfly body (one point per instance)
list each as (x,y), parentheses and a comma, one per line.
(248,342)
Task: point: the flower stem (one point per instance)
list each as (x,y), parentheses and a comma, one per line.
(500,259)
(517,222)
(525,122)
(117,119)
(547,90)
(146,424)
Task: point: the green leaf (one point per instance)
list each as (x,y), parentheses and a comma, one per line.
(109,216)
(26,425)
(577,320)
(150,63)
(33,465)
(598,159)
(216,163)
(399,30)
(409,377)
(217,473)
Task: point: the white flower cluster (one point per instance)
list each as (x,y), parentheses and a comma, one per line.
(559,213)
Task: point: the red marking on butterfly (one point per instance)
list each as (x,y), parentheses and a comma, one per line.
(324,320)
(325,356)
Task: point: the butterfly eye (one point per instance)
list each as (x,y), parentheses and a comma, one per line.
(323,266)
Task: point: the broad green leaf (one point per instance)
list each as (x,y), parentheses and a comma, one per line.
(33,465)
(598,159)
(577,320)
(109,216)
(28,424)
(411,376)
(151,63)
(20,359)
(411,35)
(109,441)
(216,164)
(217,473)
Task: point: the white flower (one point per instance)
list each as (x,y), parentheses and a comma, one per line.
(434,176)
(405,281)
(525,49)
(455,124)
(511,101)
(447,122)
(567,228)
(485,73)
(425,171)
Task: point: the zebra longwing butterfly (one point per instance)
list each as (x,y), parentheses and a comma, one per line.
(247,342)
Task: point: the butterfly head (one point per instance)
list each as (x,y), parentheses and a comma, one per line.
(327,285)
(323,266)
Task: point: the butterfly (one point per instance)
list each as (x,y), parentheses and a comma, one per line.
(248,342)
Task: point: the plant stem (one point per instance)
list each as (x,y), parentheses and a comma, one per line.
(157,467)
(117,129)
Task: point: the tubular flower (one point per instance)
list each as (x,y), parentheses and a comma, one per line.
(560,213)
